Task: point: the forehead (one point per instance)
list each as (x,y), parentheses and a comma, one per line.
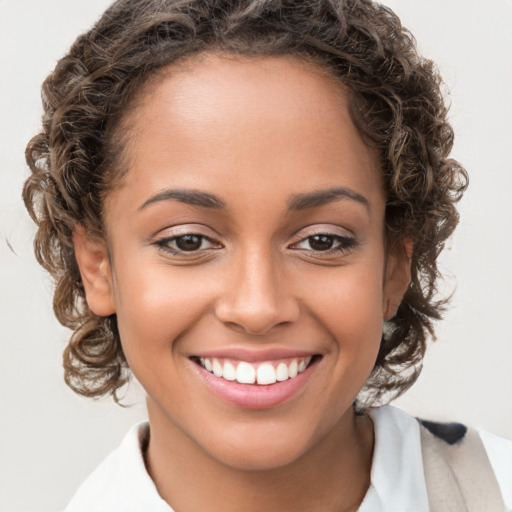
(234,121)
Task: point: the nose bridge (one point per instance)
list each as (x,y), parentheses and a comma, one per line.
(255,298)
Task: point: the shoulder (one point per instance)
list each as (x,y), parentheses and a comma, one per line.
(475,460)
(477,448)
(498,449)
(120,482)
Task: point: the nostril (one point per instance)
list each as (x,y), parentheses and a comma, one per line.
(251,328)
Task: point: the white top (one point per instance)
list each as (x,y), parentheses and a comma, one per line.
(121,483)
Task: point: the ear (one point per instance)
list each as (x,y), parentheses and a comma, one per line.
(397,277)
(93,262)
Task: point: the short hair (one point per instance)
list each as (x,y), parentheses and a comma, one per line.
(396,102)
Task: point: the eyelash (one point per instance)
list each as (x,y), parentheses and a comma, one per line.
(164,244)
(344,244)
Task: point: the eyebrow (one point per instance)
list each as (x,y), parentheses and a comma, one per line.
(296,203)
(322,197)
(187,196)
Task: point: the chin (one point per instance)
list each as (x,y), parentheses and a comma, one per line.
(255,458)
(262,450)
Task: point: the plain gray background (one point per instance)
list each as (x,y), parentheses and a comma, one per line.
(51,439)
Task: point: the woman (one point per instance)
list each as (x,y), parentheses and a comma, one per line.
(243,204)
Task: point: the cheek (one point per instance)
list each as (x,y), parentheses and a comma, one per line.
(349,307)
(349,304)
(155,307)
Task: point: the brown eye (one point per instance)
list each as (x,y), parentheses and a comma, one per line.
(321,242)
(188,242)
(326,243)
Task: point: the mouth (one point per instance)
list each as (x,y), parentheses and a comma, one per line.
(262,373)
(256,384)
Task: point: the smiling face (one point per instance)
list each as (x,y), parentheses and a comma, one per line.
(247,236)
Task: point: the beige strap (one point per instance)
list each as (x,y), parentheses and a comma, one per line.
(459,477)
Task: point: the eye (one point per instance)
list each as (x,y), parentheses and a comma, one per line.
(187,243)
(324,242)
(320,242)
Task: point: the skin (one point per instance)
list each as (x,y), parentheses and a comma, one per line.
(255,133)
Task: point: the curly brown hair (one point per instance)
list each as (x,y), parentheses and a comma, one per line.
(395,99)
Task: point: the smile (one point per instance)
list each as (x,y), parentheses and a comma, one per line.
(263,373)
(256,381)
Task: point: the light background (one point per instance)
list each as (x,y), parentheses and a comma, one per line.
(51,439)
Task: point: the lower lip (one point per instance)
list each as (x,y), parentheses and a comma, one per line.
(254,396)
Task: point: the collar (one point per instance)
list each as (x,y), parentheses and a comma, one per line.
(397,476)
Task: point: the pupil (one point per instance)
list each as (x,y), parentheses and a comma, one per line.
(321,242)
(188,242)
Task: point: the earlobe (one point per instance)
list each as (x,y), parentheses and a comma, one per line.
(93,262)
(397,278)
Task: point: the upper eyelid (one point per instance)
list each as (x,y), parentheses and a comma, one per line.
(304,233)
(326,233)
(183,230)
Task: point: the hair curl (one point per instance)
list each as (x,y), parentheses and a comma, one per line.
(395,98)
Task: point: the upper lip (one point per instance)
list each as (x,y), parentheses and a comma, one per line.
(244,354)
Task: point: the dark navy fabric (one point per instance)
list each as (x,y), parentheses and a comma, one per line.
(450,433)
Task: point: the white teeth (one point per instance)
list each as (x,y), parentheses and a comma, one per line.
(217,368)
(245,374)
(266,374)
(293,370)
(282,372)
(229,371)
(251,373)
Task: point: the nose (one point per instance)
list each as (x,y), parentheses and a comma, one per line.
(254,298)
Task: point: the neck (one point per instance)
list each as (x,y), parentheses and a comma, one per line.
(333,475)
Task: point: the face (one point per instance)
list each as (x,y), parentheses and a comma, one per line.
(247,268)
